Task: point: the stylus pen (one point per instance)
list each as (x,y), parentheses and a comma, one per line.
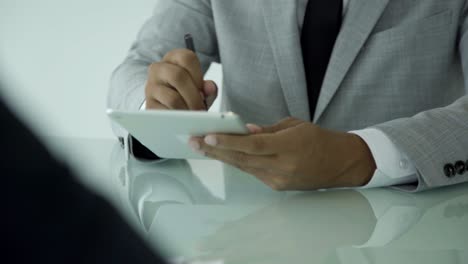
(189,42)
(191,46)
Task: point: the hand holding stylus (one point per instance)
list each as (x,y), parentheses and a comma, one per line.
(176,82)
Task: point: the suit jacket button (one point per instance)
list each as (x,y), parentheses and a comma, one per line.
(449,170)
(460,167)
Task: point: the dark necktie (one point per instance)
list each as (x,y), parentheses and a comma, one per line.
(321,26)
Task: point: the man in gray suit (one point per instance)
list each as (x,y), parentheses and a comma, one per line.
(374,90)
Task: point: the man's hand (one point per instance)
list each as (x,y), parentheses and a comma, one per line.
(176,83)
(294,155)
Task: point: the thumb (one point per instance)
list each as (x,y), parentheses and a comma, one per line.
(281,125)
(210,90)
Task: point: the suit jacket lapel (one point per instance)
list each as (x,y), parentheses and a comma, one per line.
(284,35)
(359,21)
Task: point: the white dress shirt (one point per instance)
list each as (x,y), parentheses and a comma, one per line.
(393,166)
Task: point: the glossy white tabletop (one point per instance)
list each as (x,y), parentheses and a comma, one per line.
(205,212)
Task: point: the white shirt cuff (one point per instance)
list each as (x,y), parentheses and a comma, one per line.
(393,166)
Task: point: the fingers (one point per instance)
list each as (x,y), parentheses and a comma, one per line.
(180,71)
(153,104)
(268,168)
(235,158)
(169,98)
(169,76)
(257,144)
(282,125)
(187,60)
(254,129)
(210,91)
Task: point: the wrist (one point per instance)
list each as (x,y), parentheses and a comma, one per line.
(360,164)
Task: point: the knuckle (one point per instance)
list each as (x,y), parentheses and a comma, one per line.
(161,72)
(176,74)
(174,100)
(186,56)
(170,55)
(153,91)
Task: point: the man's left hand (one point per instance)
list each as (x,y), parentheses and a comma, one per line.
(293,155)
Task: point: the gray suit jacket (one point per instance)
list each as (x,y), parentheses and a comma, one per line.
(399,66)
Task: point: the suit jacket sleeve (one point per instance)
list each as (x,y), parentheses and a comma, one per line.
(438,137)
(163,32)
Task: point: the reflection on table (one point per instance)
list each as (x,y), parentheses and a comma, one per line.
(179,210)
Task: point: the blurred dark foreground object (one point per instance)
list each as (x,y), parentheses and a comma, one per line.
(50,217)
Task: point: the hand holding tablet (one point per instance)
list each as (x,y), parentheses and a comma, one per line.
(167,133)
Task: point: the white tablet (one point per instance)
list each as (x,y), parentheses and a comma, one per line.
(167,132)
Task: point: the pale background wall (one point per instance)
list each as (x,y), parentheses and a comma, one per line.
(57,56)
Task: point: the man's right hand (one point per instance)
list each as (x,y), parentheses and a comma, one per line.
(176,83)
